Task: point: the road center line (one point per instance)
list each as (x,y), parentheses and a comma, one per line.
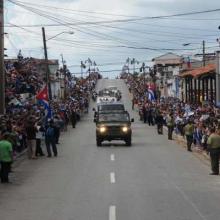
(112,213)
(112,177)
(112,157)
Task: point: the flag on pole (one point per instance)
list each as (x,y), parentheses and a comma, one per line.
(83,65)
(43,94)
(89,61)
(43,98)
(151,95)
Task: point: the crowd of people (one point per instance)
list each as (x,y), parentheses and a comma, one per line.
(26,124)
(195,122)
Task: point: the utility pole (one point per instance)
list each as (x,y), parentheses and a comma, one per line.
(218,78)
(2,68)
(203,52)
(81,72)
(128,62)
(64,76)
(47,66)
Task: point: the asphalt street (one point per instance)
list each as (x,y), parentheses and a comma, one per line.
(155,179)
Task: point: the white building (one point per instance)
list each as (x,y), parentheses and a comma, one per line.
(168,67)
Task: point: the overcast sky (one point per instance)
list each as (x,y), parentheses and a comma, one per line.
(109,44)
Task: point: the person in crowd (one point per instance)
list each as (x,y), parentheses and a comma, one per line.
(39,137)
(189,130)
(150,115)
(133,103)
(73,117)
(198,135)
(50,139)
(170,126)
(31,131)
(214,149)
(159,121)
(86,105)
(144,113)
(6,157)
(57,128)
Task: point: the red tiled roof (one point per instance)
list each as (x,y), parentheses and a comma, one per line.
(200,71)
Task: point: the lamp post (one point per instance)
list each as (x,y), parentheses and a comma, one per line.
(142,69)
(90,64)
(134,61)
(82,66)
(46,58)
(203,51)
(128,62)
(64,75)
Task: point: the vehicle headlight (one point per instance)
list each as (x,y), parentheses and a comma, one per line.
(102,129)
(125,129)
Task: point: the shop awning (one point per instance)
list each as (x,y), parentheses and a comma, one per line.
(210,68)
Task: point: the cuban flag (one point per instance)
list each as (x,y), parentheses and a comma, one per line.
(43,99)
(151,95)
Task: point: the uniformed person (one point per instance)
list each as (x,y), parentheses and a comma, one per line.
(159,121)
(170,126)
(133,103)
(189,130)
(73,117)
(144,113)
(214,149)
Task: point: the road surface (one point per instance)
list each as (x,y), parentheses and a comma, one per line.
(153,180)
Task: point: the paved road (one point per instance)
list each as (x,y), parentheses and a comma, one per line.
(152,180)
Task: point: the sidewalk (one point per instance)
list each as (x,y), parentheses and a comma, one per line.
(180,140)
(201,154)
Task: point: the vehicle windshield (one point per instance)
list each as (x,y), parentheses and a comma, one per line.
(114,118)
(112,88)
(111,107)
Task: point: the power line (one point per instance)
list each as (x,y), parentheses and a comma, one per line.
(132,19)
(152,33)
(81,11)
(100,35)
(97,33)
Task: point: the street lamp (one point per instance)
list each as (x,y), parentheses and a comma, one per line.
(134,61)
(89,61)
(203,51)
(63,32)
(46,57)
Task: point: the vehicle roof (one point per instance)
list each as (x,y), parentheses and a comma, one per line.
(110,103)
(114,112)
(115,87)
(106,99)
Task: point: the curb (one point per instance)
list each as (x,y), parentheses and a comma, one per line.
(202,155)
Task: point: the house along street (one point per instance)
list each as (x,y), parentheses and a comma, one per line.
(153,179)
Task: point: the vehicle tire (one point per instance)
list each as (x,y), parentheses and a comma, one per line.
(128,141)
(98,142)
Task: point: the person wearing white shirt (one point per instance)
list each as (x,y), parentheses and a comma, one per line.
(39,137)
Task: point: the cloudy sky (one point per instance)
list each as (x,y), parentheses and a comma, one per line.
(108,32)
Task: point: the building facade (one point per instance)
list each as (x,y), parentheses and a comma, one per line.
(168,67)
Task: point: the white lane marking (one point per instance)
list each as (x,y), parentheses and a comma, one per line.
(112,157)
(112,177)
(112,213)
